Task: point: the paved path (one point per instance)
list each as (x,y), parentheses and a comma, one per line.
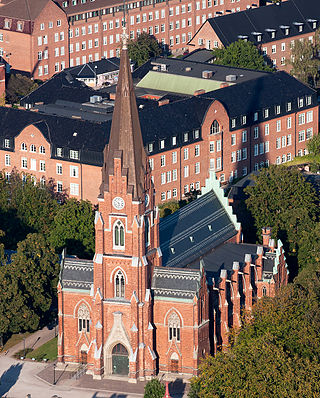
(35,340)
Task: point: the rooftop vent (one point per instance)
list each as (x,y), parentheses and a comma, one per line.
(207,74)
(210,227)
(172,250)
(75,134)
(95,98)
(141,106)
(188,69)
(164,101)
(231,78)
(191,238)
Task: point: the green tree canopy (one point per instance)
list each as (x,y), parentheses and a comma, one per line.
(275,354)
(242,54)
(19,86)
(282,199)
(73,228)
(142,48)
(154,389)
(305,60)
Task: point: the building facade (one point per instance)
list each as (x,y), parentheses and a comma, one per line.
(43,37)
(272,29)
(147,302)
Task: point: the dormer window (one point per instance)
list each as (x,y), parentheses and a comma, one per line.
(272,33)
(285,29)
(74,154)
(59,152)
(161,144)
(244,120)
(118,235)
(257,35)
(6,143)
(300,102)
(20,26)
(308,100)
(196,134)
(7,23)
(255,116)
(174,140)
(278,109)
(150,148)
(266,113)
(233,123)
(289,106)
(185,137)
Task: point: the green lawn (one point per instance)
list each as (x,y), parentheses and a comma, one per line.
(303,160)
(48,350)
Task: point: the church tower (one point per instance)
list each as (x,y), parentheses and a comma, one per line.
(127,238)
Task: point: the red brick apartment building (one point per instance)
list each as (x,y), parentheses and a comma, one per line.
(272,29)
(148,303)
(232,130)
(42,37)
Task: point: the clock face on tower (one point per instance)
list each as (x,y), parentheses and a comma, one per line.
(118,203)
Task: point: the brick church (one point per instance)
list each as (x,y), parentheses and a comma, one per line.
(159,294)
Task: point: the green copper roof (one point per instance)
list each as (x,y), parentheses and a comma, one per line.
(177,83)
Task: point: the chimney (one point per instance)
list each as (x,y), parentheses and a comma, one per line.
(199,92)
(259,262)
(272,245)
(112,96)
(266,235)
(163,102)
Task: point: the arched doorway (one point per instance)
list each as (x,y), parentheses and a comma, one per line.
(120,360)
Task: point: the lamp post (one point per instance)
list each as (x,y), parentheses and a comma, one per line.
(54,374)
(24,347)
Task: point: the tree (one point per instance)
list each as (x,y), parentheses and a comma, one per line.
(142,48)
(242,54)
(313,145)
(73,228)
(154,389)
(275,354)
(35,267)
(282,199)
(305,60)
(19,86)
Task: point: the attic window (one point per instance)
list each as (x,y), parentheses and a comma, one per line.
(185,137)
(174,140)
(7,143)
(266,113)
(244,38)
(150,147)
(272,33)
(75,134)
(59,152)
(300,102)
(7,23)
(210,227)
(191,238)
(196,134)
(257,35)
(74,154)
(20,26)
(172,250)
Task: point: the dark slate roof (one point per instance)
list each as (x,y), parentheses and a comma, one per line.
(175,283)
(96,67)
(223,257)
(62,86)
(77,274)
(194,230)
(177,66)
(199,55)
(27,10)
(87,6)
(245,23)
(264,92)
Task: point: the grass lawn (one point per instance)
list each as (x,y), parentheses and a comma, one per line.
(48,350)
(303,160)
(14,339)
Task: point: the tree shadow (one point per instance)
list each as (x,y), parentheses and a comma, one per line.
(177,388)
(9,378)
(115,395)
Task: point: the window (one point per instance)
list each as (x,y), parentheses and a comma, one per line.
(289,122)
(215,127)
(211,147)
(119,285)
(161,144)
(266,113)
(83,318)
(256,150)
(185,153)
(186,171)
(233,157)
(185,137)
(174,192)
(244,119)
(238,155)
(301,118)
(244,153)
(261,148)
(308,100)
(163,178)
(256,132)
(197,150)
(233,139)
(197,168)
(24,163)
(163,160)
(42,165)
(278,143)
(74,154)
(218,145)
(266,146)
(278,126)
(74,171)
(174,327)
(289,140)
(309,133)
(58,22)
(266,129)
(7,143)
(59,186)
(59,168)
(174,175)
(168,176)
(118,236)
(59,152)
(74,189)
(219,164)
(174,157)
(163,196)
(7,161)
(309,116)
(23,146)
(300,102)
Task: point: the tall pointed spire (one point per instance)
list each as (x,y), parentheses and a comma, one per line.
(125,134)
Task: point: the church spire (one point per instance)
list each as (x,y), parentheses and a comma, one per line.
(125,134)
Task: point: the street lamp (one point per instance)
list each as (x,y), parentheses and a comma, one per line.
(54,374)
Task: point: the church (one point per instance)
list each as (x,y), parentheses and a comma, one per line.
(159,294)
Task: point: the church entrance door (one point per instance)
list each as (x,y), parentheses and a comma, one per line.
(120,360)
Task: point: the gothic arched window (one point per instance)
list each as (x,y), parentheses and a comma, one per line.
(215,127)
(174,327)
(118,234)
(147,231)
(83,318)
(264,291)
(119,283)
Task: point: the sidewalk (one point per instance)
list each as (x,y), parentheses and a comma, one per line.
(35,340)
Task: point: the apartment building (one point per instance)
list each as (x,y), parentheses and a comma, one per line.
(272,29)
(185,135)
(42,37)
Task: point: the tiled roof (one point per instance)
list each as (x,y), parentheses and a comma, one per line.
(77,274)
(175,283)
(263,19)
(27,10)
(194,230)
